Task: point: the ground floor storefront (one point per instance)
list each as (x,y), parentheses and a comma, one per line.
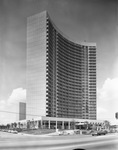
(59,123)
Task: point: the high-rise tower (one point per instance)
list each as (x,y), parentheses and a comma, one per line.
(61,73)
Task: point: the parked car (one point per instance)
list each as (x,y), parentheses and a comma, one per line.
(60,132)
(9,131)
(14,131)
(77,131)
(99,133)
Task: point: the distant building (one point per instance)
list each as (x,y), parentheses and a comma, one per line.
(61,73)
(116,115)
(22,111)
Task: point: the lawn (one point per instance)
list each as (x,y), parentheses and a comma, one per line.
(38,131)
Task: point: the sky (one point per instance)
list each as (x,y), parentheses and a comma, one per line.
(90,20)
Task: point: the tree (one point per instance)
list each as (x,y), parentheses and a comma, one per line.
(15,124)
(8,126)
(106,124)
(28,124)
(12,125)
(86,125)
(18,124)
(73,124)
(94,127)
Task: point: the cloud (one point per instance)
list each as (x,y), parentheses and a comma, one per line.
(18,95)
(107,98)
(109,90)
(9,108)
(2,104)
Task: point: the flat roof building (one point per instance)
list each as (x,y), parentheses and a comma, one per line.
(22,111)
(61,73)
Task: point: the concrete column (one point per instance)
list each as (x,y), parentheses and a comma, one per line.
(69,125)
(62,124)
(38,124)
(56,124)
(49,124)
(41,123)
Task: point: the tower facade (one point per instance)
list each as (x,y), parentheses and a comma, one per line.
(61,73)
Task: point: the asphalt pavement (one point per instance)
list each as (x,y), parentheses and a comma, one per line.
(10,141)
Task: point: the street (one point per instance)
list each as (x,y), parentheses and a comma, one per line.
(9,141)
